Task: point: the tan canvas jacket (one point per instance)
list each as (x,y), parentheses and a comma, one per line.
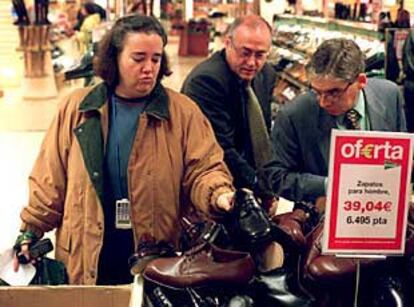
(175,163)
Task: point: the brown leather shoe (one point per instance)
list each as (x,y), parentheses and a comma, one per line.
(203,265)
(328,269)
(292,223)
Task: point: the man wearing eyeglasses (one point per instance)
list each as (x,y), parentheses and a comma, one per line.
(222,86)
(340,97)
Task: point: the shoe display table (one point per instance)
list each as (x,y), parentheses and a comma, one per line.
(39,80)
(39,88)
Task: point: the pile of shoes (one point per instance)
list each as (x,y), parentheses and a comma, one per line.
(381,281)
(217,264)
(332,280)
(203,275)
(157,296)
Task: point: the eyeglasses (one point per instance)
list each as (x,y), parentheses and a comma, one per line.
(246,53)
(331,94)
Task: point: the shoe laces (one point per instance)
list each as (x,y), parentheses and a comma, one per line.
(196,252)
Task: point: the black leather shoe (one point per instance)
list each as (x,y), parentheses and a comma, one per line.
(389,292)
(157,295)
(149,249)
(249,222)
(194,233)
(280,288)
(159,299)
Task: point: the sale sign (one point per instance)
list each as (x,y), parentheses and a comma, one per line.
(368,192)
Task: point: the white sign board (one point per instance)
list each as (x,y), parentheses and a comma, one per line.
(368,192)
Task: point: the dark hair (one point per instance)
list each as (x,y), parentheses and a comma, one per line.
(90,8)
(403,19)
(112,44)
(337,58)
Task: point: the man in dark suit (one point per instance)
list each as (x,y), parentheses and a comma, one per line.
(340,97)
(218,86)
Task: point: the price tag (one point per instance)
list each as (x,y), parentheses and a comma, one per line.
(368,193)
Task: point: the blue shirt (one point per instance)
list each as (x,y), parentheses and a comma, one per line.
(123,125)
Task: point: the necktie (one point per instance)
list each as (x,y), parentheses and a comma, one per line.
(351,120)
(258,133)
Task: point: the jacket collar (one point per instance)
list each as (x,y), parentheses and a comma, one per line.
(95,99)
(157,104)
(377,113)
(222,55)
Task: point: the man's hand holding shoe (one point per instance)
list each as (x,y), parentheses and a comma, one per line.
(263,191)
(270,204)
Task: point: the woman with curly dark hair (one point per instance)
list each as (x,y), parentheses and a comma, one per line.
(123,161)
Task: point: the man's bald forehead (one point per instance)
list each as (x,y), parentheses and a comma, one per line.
(249,21)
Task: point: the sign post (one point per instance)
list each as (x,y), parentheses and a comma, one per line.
(368,193)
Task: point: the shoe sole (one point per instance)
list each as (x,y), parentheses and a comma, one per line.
(213,284)
(141,264)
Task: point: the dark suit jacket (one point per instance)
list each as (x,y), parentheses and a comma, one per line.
(301,138)
(219,93)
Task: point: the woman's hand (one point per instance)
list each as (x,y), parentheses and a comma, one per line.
(24,252)
(225,201)
(21,248)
